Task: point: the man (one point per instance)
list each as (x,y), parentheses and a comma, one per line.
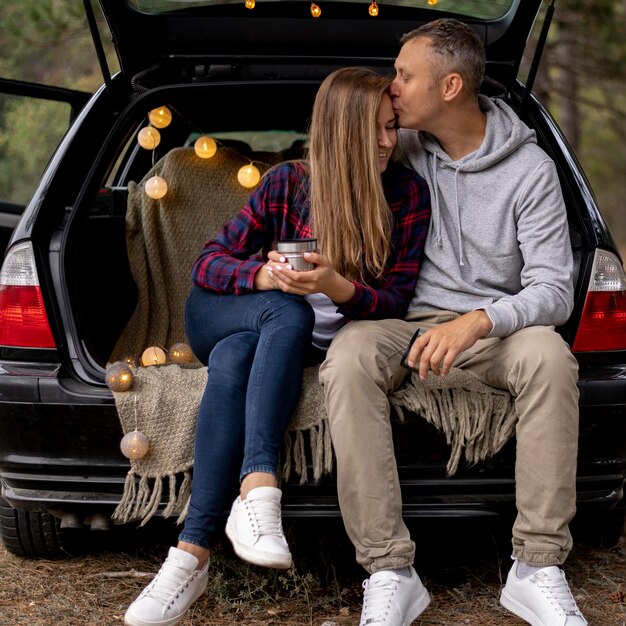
(496,280)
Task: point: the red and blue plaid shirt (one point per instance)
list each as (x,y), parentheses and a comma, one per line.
(279,209)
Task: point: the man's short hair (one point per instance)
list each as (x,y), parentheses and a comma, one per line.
(459,47)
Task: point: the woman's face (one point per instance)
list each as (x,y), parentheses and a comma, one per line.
(386,132)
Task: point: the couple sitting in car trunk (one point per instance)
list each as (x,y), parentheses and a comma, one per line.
(487,279)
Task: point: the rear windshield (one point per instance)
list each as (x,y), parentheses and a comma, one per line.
(478,9)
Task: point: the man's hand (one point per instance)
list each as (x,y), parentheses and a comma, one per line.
(438,347)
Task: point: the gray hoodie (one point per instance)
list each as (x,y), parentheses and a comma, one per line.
(498,238)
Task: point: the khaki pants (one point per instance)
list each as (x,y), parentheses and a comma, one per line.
(363,367)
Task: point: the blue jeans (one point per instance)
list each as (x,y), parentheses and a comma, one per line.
(255,347)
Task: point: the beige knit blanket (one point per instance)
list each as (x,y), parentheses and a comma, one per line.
(163,238)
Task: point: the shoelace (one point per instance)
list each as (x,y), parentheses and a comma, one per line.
(169,581)
(377,600)
(555,585)
(266,517)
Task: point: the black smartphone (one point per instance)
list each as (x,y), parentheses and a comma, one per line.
(405,356)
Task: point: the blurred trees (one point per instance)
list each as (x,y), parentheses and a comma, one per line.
(582,79)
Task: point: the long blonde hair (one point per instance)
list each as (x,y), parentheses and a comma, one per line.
(349,213)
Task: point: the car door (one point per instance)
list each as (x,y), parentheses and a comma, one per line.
(33,119)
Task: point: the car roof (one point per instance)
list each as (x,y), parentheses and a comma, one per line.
(149,33)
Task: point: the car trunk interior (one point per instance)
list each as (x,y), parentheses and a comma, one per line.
(104,294)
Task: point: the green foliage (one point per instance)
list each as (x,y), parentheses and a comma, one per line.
(30,130)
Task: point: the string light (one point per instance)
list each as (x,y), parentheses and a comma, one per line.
(153,356)
(248,176)
(119,377)
(205,147)
(315,10)
(155,187)
(373,9)
(250,4)
(149,138)
(161,117)
(432,2)
(181,353)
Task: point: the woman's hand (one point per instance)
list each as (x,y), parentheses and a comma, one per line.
(264,278)
(322,279)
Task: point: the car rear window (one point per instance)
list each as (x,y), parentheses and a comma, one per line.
(477,9)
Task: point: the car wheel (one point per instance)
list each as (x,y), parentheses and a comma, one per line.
(29,533)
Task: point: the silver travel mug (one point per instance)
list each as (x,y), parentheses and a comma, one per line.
(293,250)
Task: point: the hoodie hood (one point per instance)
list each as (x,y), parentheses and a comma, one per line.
(504,134)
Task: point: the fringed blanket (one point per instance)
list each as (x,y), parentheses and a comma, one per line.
(163,239)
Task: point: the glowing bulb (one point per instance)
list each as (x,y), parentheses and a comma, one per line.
(205,147)
(248,176)
(315,10)
(180,353)
(155,187)
(134,445)
(160,117)
(250,4)
(373,10)
(119,377)
(153,356)
(432,2)
(149,138)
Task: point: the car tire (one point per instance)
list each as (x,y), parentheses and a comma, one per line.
(30,534)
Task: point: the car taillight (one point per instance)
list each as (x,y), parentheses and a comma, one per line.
(603,322)
(23,318)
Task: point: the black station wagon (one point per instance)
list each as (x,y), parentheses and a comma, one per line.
(245,75)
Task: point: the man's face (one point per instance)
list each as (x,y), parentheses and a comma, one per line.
(417,99)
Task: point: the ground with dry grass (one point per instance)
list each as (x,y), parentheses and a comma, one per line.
(463,564)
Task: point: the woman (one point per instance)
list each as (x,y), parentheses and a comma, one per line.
(256,321)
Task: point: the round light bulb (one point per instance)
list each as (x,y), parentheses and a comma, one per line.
(160,117)
(250,4)
(134,445)
(153,356)
(205,147)
(119,377)
(315,10)
(180,353)
(431,2)
(248,176)
(149,137)
(155,187)
(373,10)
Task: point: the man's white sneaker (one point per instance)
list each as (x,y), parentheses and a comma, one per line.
(542,599)
(172,591)
(393,600)
(255,529)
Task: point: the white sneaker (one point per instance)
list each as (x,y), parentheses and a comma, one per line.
(172,591)
(393,600)
(542,599)
(255,529)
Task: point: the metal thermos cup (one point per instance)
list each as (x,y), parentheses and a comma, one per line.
(293,250)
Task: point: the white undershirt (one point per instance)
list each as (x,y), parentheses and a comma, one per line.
(328,320)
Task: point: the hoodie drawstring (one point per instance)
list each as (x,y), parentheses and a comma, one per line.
(438,235)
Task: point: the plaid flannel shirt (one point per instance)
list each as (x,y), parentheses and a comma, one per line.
(279,209)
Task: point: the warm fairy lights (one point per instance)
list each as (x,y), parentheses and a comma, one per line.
(373,9)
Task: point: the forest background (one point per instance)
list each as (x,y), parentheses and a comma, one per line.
(582,81)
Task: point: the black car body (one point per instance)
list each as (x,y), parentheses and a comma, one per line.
(66,291)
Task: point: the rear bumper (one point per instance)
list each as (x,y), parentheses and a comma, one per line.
(59,450)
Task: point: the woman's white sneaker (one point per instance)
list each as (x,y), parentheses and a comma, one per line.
(542,599)
(393,600)
(255,529)
(172,591)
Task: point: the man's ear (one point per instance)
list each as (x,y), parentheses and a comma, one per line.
(452,86)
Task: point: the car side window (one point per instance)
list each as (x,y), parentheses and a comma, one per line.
(30,131)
